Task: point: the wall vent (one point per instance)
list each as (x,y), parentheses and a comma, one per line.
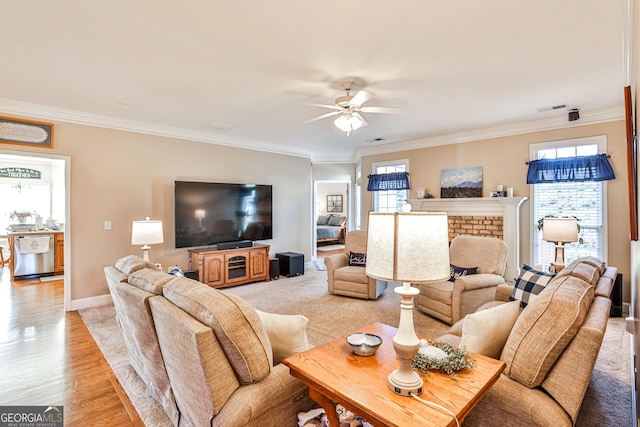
(551,108)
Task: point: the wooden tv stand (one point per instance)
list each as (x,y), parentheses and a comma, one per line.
(220,268)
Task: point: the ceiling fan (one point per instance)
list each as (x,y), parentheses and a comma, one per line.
(349,107)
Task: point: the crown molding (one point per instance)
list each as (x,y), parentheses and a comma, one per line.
(26,109)
(37,111)
(558,122)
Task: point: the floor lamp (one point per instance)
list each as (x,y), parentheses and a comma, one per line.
(147,232)
(560,231)
(407,247)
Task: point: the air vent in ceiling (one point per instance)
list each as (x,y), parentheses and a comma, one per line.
(551,108)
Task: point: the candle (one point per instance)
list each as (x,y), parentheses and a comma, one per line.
(509,191)
(500,187)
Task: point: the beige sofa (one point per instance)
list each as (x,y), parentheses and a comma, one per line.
(550,351)
(352,280)
(205,355)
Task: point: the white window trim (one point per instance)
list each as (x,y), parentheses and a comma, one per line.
(376,165)
(601,142)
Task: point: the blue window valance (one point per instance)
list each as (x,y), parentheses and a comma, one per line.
(570,169)
(388,181)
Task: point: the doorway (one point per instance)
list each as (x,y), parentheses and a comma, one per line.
(330,198)
(39,184)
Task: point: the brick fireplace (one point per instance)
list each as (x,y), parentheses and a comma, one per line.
(482,216)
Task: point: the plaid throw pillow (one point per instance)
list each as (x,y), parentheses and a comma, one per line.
(530,282)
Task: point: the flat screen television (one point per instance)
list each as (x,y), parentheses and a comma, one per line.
(208,213)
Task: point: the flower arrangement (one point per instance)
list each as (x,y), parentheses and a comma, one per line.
(21,216)
(457,359)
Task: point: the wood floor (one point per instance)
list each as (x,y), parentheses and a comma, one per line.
(48,357)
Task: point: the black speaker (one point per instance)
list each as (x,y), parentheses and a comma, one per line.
(574,115)
(274,269)
(235,245)
(291,263)
(616,297)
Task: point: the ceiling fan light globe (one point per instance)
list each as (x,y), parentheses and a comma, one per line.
(348,124)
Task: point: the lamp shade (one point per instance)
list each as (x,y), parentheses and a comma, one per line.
(200,213)
(563,230)
(408,246)
(147,232)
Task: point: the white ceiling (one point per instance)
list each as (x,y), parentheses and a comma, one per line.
(243,72)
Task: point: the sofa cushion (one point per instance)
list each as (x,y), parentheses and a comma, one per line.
(357,259)
(287,334)
(235,323)
(544,328)
(455,271)
(596,262)
(351,274)
(486,331)
(582,270)
(150,279)
(530,283)
(131,263)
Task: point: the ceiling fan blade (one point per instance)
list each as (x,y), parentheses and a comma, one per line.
(383,110)
(324,116)
(364,122)
(333,107)
(360,98)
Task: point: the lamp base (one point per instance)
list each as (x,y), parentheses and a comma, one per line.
(403,385)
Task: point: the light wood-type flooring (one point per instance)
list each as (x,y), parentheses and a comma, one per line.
(48,357)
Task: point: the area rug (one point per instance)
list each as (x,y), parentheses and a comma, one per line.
(320,265)
(607,401)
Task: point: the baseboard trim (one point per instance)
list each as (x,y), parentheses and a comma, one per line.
(78,304)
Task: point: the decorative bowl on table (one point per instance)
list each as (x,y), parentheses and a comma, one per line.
(364,344)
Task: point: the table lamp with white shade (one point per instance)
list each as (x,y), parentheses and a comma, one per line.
(560,231)
(407,247)
(147,232)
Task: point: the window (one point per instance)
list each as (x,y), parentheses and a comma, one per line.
(584,200)
(390,200)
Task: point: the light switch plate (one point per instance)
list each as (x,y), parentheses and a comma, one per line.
(107,225)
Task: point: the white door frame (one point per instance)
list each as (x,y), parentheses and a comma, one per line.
(67,215)
(314,209)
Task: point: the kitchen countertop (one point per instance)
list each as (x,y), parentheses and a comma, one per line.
(30,233)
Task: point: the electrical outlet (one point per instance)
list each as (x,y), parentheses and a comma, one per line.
(107,225)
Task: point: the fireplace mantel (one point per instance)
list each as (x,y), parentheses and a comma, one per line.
(506,207)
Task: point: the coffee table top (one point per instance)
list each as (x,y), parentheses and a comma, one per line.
(360,383)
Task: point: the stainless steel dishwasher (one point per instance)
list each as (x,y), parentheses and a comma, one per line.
(33,255)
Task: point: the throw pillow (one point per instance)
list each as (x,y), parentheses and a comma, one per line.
(176,271)
(460,271)
(530,283)
(287,334)
(322,220)
(486,331)
(337,221)
(357,259)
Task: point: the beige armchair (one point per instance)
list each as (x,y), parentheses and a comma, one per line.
(352,281)
(451,301)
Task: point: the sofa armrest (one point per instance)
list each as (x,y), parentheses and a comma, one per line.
(336,261)
(478,281)
(503,292)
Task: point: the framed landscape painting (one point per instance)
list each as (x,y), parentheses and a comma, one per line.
(463,182)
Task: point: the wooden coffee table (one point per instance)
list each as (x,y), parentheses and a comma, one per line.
(335,375)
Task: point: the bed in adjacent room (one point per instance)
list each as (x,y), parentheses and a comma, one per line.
(331,228)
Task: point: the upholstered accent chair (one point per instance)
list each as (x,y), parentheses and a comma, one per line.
(352,280)
(450,301)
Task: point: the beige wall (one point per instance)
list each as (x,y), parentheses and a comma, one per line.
(122,176)
(503,162)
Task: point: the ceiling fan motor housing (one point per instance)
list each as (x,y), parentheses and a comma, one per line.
(343,101)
